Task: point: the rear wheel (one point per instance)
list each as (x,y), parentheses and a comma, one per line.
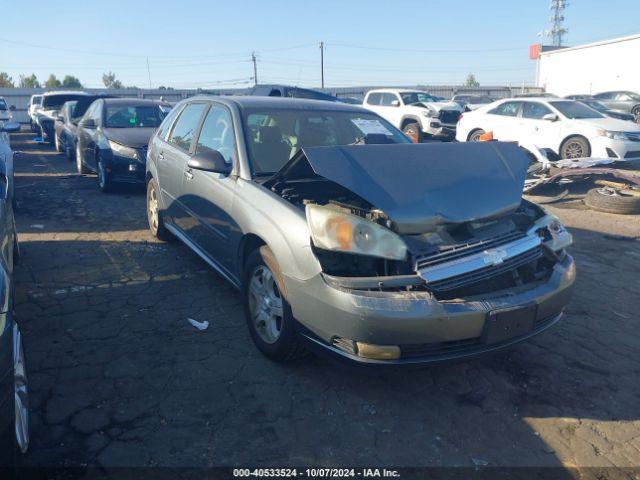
(636,111)
(412,130)
(575,147)
(475,135)
(80,166)
(154,213)
(268,314)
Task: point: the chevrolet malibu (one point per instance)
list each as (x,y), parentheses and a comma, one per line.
(345,237)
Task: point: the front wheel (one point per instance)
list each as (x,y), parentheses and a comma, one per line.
(412,130)
(636,111)
(104,178)
(154,214)
(80,166)
(268,314)
(575,147)
(21,393)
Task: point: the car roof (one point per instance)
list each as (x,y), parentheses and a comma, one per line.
(279,102)
(131,101)
(397,90)
(63,92)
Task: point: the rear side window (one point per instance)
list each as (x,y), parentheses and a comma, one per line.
(507,109)
(388,99)
(374,99)
(186,126)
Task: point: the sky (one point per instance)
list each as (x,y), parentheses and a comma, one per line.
(208,44)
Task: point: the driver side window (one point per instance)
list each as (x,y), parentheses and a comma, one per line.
(217,133)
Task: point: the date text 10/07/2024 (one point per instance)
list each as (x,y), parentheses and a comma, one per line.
(316,472)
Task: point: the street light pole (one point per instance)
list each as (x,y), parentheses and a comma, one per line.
(322,64)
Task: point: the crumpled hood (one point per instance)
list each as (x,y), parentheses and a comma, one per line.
(130,137)
(419,186)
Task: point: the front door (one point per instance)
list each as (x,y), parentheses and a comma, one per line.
(208,196)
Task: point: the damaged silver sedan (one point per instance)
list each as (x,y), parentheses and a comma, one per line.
(345,237)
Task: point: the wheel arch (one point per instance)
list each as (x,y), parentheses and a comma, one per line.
(409,119)
(559,149)
(248,243)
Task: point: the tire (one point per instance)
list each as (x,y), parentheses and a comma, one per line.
(56,141)
(21,394)
(69,151)
(636,111)
(104,179)
(475,135)
(413,132)
(268,314)
(154,214)
(575,147)
(625,202)
(80,166)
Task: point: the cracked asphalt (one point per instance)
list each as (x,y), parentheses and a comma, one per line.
(119,377)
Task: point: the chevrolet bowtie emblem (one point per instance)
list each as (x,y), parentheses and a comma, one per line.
(494,256)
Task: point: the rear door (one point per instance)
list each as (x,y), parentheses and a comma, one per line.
(372,102)
(208,196)
(172,157)
(504,121)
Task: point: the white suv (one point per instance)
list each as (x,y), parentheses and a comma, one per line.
(414,112)
(567,128)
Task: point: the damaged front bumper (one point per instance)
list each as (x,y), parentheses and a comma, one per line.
(392,326)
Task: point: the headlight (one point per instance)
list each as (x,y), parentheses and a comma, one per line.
(613,135)
(335,230)
(429,113)
(553,233)
(122,150)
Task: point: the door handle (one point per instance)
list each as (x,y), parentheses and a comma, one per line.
(188,174)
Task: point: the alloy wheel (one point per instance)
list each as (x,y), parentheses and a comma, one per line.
(573,150)
(265,304)
(152,208)
(21,392)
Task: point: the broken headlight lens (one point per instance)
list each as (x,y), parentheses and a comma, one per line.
(332,229)
(553,233)
(122,150)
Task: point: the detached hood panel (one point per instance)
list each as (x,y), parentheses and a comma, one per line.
(419,186)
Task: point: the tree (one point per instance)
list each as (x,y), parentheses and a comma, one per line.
(5,80)
(471,81)
(70,81)
(30,81)
(52,82)
(110,80)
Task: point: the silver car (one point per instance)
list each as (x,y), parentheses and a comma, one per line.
(621,100)
(345,237)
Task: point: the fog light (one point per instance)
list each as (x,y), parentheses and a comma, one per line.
(378,352)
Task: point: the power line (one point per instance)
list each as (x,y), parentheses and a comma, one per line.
(419,50)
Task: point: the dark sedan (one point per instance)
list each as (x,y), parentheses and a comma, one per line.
(14,405)
(112,139)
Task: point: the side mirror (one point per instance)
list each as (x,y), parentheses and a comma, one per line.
(550,117)
(10,127)
(88,123)
(210,161)
(395,103)
(12,108)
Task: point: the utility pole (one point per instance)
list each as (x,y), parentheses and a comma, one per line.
(322,64)
(255,69)
(556,31)
(149,73)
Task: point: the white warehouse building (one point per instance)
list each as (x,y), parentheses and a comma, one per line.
(589,69)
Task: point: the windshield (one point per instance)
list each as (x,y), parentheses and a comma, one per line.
(596,106)
(416,97)
(3,104)
(575,110)
(134,116)
(54,102)
(275,135)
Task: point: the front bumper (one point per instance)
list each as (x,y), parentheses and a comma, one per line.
(426,330)
(603,147)
(126,170)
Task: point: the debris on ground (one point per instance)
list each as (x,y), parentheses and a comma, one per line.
(199,325)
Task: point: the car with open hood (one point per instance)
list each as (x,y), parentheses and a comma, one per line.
(112,138)
(418,114)
(345,237)
(49,111)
